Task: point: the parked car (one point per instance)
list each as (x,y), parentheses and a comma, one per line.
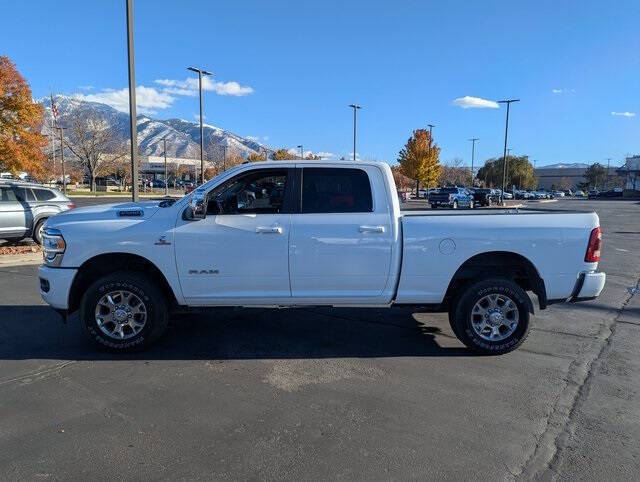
(615,192)
(452,197)
(558,193)
(484,197)
(126,267)
(25,207)
(579,193)
(593,194)
(568,192)
(403,196)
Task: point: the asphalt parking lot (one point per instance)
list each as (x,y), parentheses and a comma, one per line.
(327,394)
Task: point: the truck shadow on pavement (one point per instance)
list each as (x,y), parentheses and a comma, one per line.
(37,332)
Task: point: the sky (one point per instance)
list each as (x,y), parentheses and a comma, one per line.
(286,71)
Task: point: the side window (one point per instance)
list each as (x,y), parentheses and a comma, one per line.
(258,192)
(43,194)
(7,195)
(23,194)
(335,190)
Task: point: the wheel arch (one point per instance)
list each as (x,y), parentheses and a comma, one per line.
(107,263)
(498,264)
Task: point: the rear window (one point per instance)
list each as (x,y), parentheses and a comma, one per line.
(335,190)
(43,194)
(449,190)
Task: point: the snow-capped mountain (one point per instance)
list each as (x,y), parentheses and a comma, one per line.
(183,137)
(570,165)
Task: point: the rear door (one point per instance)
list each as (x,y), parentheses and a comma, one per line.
(341,241)
(13,222)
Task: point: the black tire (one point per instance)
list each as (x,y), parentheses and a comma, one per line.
(473,294)
(155,309)
(37,235)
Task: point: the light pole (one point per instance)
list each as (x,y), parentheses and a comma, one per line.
(301,151)
(200,73)
(504,155)
(133,130)
(355,107)
(608,164)
(64,177)
(473,156)
(224,158)
(166,178)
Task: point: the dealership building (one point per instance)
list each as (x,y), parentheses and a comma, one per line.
(556,176)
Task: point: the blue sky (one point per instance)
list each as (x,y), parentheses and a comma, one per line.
(286,70)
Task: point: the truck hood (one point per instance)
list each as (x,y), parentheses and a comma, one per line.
(117,211)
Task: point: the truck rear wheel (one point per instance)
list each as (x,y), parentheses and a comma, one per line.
(492,316)
(124,312)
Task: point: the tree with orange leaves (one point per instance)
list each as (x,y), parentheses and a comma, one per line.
(21,143)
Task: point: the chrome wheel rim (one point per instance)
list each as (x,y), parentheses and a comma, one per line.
(494,317)
(39,232)
(121,314)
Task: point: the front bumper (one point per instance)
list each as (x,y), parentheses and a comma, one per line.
(55,285)
(588,286)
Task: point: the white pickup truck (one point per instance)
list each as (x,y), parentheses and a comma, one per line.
(284,234)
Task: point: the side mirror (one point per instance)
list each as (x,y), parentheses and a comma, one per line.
(197,206)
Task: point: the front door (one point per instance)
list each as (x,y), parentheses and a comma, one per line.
(239,252)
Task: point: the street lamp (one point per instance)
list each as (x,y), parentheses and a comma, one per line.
(301,151)
(355,107)
(133,128)
(473,155)
(166,178)
(201,72)
(504,155)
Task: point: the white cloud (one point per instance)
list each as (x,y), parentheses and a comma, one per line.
(563,91)
(469,102)
(253,138)
(189,87)
(148,99)
(86,87)
(624,114)
(325,155)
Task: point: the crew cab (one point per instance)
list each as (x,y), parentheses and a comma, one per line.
(453,197)
(313,233)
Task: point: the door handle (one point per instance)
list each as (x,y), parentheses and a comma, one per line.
(371,229)
(269,229)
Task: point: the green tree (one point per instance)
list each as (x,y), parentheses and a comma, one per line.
(420,159)
(21,142)
(595,176)
(520,172)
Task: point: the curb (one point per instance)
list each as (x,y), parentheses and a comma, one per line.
(20,259)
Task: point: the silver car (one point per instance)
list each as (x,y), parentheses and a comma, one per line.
(24,207)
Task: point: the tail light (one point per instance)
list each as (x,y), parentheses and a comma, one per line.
(594,247)
(71,206)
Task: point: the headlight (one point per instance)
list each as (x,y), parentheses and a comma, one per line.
(53,246)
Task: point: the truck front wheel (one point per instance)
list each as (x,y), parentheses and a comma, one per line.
(492,316)
(124,312)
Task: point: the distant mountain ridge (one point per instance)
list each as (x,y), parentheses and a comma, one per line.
(183,137)
(567,165)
